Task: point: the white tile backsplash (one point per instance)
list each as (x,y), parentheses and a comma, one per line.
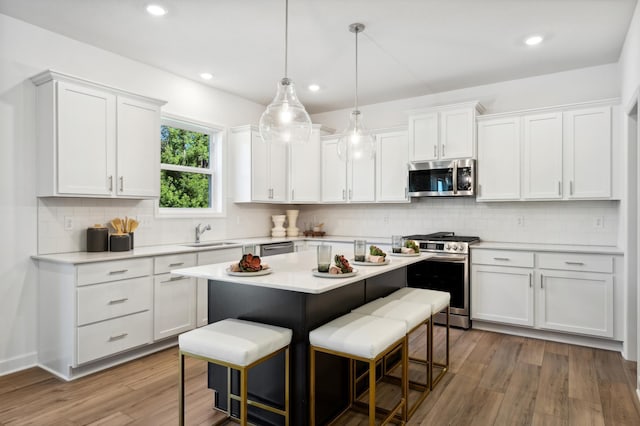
(563,222)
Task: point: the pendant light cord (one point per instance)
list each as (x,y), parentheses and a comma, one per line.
(286,36)
(356,31)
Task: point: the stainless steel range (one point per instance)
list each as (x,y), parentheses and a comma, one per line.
(447,271)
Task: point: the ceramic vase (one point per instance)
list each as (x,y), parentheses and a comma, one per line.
(278,228)
(292,217)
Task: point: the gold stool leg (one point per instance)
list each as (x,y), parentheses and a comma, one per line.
(181,388)
(244,406)
(312,386)
(372,393)
(286,387)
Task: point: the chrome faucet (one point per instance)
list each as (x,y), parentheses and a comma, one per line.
(200,229)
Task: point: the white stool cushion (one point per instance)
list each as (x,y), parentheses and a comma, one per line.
(411,313)
(437,299)
(360,335)
(235,341)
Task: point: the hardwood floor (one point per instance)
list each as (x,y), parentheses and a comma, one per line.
(494,379)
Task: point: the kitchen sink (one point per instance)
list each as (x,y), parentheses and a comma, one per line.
(212,244)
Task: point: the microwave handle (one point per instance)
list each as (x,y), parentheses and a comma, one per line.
(455,178)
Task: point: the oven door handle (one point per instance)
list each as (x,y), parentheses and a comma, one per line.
(447,259)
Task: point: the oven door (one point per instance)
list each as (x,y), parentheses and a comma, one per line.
(446,272)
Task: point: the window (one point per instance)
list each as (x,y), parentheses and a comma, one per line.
(190,175)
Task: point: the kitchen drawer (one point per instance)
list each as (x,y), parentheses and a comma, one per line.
(109,300)
(521,259)
(219,256)
(112,336)
(99,272)
(164,264)
(576,262)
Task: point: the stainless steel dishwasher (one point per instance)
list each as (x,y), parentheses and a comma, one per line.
(276,248)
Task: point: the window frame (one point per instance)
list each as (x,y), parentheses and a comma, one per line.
(217,143)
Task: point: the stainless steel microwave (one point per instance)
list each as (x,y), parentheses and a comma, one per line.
(454,178)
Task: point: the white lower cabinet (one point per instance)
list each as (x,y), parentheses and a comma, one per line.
(174,300)
(565,292)
(502,294)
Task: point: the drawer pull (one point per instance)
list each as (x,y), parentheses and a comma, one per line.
(178,278)
(176,264)
(118,337)
(530,280)
(116,301)
(121,271)
(541,281)
(501,258)
(574,263)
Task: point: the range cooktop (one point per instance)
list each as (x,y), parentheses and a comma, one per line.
(443,236)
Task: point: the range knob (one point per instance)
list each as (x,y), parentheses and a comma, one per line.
(454,246)
(460,248)
(446,247)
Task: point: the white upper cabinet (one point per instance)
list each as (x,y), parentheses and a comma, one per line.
(588,152)
(555,153)
(305,169)
(392,157)
(498,170)
(342,182)
(95,141)
(542,156)
(443,133)
(138,148)
(275,173)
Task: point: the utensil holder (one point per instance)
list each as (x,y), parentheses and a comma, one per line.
(120,242)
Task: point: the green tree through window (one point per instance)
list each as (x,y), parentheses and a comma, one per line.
(185,176)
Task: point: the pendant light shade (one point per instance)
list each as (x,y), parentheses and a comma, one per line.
(285,120)
(356,143)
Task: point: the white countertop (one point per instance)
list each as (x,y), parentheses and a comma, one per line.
(89,257)
(567,248)
(293,272)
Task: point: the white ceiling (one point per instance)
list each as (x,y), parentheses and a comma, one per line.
(409,48)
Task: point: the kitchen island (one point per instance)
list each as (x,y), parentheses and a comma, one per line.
(292,297)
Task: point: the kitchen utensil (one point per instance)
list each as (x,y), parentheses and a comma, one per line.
(117,225)
(133,225)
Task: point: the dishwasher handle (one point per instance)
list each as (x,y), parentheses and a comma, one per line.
(276,248)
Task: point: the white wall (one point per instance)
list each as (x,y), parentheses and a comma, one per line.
(630,77)
(26,50)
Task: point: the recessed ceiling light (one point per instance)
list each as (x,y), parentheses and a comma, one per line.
(206,76)
(533,40)
(156,10)
(314,87)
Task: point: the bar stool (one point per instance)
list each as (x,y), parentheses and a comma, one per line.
(439,301)
(238,345)
(414,315)
(362,338)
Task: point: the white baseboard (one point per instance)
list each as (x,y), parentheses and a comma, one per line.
(572,339)
(22,362)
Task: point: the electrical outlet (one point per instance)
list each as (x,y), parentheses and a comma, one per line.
(68,223)
(520,221)
(598,222)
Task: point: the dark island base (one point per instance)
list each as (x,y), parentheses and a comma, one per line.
(301,312)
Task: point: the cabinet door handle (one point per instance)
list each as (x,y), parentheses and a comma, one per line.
(530,280)
(541,281)
(110,183)
(570,187)
(116,301)
(344,194)
(479,190)
(501,258)
(443,154)
(118,337)
(406,192)
(560,188)
(435,151)
(292,195)
(176,264)
(121,271)
(350,194)
(574,263)
(121,183)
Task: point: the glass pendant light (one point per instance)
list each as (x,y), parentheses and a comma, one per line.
(285,120)
(356,142)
